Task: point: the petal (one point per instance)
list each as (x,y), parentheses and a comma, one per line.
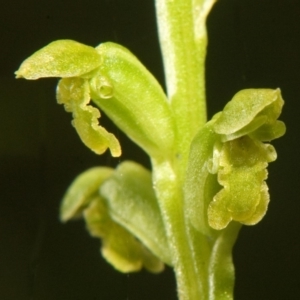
(82,189)
(261,208)
(62,58)
(245,107)
(269,132)
(242,174)
(74,94)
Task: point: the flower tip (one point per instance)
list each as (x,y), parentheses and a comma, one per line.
(21,73)
(18,75)
(61,58)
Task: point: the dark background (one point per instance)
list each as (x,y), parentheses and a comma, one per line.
(252,43)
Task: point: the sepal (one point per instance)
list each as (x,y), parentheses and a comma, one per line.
(62,58)
(133,99)
(252,112)
(200,185)
(84,187)
(132,203)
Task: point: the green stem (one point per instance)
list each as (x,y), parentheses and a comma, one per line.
(221,267)
(170,196)
(213,262)
(202,264)
(183,40)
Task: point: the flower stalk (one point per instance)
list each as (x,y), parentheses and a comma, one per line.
(207,178)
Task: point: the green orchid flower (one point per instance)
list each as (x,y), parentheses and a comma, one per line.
(120,208)
(231,146)
(117,82)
